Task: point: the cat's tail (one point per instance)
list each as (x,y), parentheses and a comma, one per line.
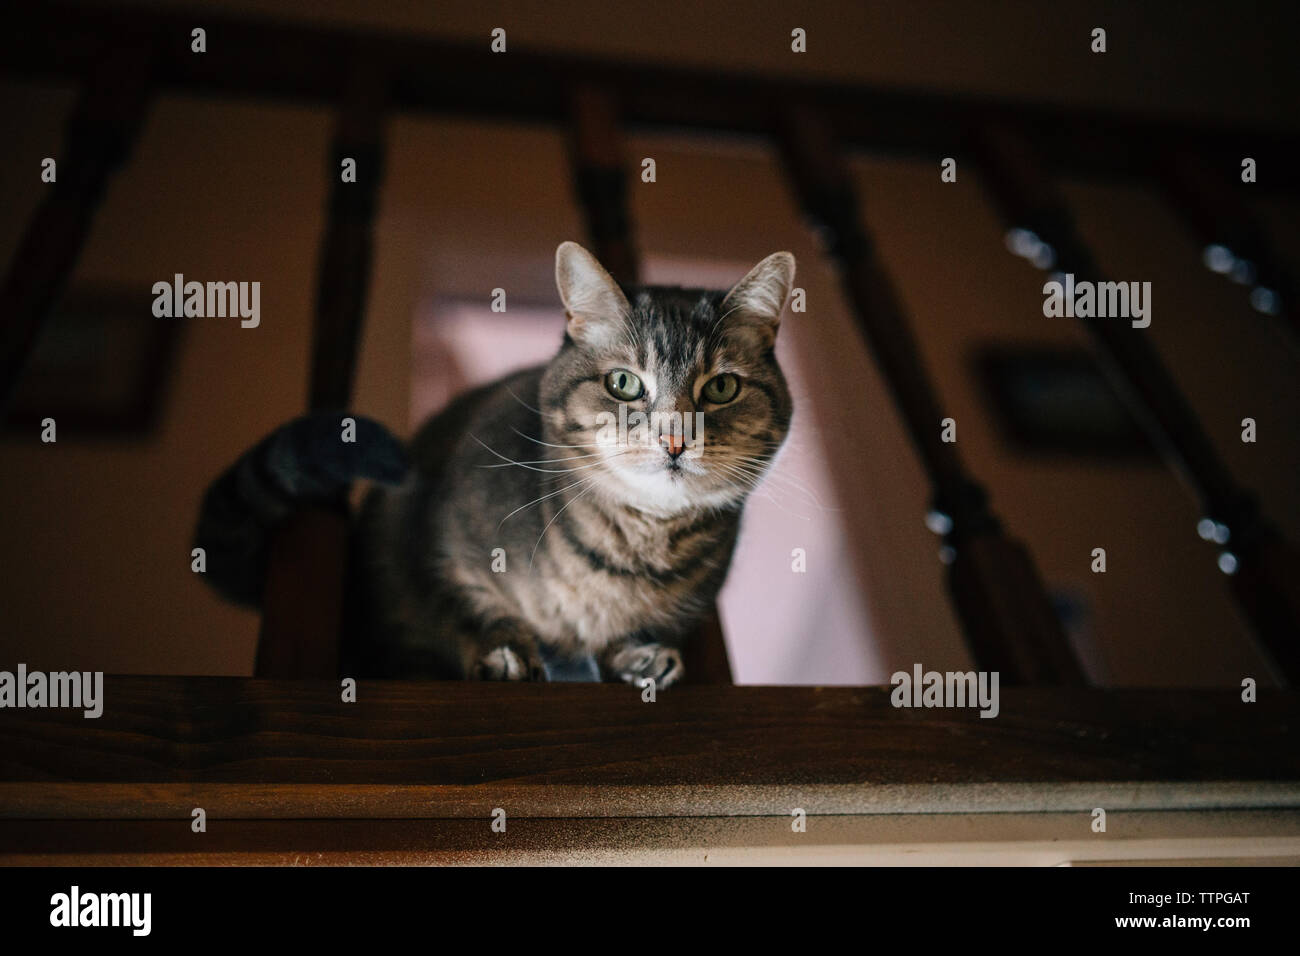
(309,461)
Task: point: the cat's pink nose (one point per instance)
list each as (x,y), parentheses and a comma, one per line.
(675,444)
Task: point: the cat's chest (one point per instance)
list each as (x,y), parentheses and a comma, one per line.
(609,574)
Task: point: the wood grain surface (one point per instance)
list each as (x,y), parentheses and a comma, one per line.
(259,748)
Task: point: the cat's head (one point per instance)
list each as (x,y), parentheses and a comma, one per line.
(675,394)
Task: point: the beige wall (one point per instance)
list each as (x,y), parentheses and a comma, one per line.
(96,539)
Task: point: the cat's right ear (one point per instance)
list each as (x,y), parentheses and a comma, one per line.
(596,307)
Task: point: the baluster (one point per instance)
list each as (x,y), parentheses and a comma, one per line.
(102,130)
(303,603)
(1008,619)
(600,179)
(1264,569)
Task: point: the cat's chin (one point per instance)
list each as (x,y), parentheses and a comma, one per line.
(667,491)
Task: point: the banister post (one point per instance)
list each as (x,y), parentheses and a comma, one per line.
(1007,617)
(303,602)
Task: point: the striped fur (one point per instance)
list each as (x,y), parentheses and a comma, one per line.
(305,462)
(523,531)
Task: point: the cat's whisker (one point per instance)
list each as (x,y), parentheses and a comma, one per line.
(551,494)
(577,468)
(744,478)
(589,485)
(777,475)
(757,488)
(753,483)
(510,462)
(807,496)
(542,461)
(519,464)
(551,444)
(521,401)
(755,476)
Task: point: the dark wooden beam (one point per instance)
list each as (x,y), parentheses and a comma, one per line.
(1264,568)
(264,58)
(303,603)
(1004,609)
(101,133)
(245,748)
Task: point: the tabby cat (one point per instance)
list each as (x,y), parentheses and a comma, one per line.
(539,519)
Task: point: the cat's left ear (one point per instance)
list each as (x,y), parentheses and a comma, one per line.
(757,301)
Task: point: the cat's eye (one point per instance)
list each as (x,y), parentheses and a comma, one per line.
(721,388)
(624,385)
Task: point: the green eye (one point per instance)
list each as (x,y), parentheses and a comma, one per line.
(721,389)
(624,385)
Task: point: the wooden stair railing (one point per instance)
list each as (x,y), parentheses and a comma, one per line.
(1264,568)
(268,60)
(303,602)
(997,592)
(600,180)
(1008,620)
(101,133)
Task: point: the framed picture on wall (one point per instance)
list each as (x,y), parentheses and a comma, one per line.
(100,366)
(1054,401)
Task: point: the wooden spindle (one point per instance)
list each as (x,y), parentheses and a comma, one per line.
(1008,619)
(303,603)
(600,179)
(1265,569)
(102,130)
(346,252)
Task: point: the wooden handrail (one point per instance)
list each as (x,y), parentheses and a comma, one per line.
(1264,568)
(1005,612)
(600,180)
(259,749)
(298,62)
(101,132)
(303,604)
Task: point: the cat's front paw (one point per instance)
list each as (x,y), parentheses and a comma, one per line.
(508,651)
(505,663)
(657,661)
